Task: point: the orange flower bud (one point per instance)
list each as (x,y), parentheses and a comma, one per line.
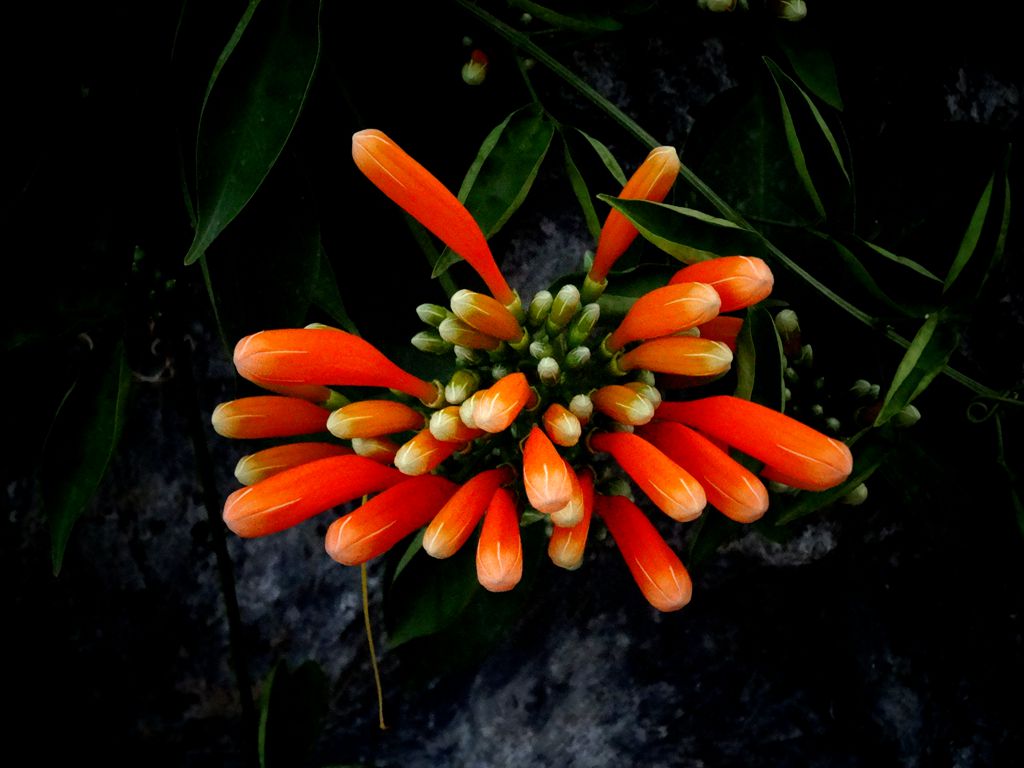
(372,418)
(380,449)
(722,328)
(428,201)
(567,543)
(499,553)
(652,181)
(495,408)
(454,331)
(793,453)
(646,391)
(423,453)
(296,494)
(665,311)
(267,463)
(454,524)
(571,513)
(683,355)
(672,489)
(733,489)
(324,356)
(740,280)
(656,569)
(268,416)
(623,404)
(487,315)
(546,476)
(446,426)
(562,425)
(387,518)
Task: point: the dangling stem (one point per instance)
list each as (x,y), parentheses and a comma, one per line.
(373,650)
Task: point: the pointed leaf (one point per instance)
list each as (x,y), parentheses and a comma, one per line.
(812,63)
(969,242)
(856,270)
(684,233)
(606,157)
(579,188)
(902,260)
(503,172)
(579,22)
(327,296)
(924,360)
(292,706)
(254,101)
(81,442)
(760,362)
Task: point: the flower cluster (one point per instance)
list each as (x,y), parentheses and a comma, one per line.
(546,408)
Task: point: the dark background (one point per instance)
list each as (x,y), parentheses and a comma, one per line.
(885,634)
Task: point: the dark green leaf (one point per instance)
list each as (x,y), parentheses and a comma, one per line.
(969,243)
(606,157)
(292,706)
(684,233)
(812,63)
(759,360)
(255,98)
(579,188)
(712,531)
(863,276)
(579,22)
(924,360)
(797,151)
(81,442)
(426,245)
(327,296)
(415,546)
(503,172)
(902,260)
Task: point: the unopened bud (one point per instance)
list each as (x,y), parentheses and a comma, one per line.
(577,357)
(499,371)
(562,425)
(806,355)
(466,411)
(619,486)
(462,384)
(787,323)
(874,392)
(908,416)
(855,497)
(817,409)
(474,71)
(623,405)
(379,449)
(646,391)
(548,371)
(717,6)
(647,377)
(791,375)
(582,407)
(467,355)
(787,394)
(525,18)
(791,10)
(457,332)
(539,308)
(540,349)
(431,341)
(432,314)
(565,305)
(861,388)
(832,424)
(583,324)
(447,426)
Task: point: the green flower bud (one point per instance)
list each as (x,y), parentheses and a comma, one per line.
(817,410)
(539,308)
(861,388)
(583,324)
(856,496)
(432,314)
(565,305)
(548,371)
(430,341)
(577,358)
(908,416)
(582,407)
(462,384)
(540,349)
(832,424)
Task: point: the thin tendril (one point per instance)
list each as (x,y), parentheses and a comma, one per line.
(373,650)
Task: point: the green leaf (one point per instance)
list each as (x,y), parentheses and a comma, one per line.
(924,360)
(711,532)
(429,594)
(579,22)
(760,362)
(327,296)
(684,233)
(812,63)
(902,260)
(868,456)
(254,100)
(503,172)
(292,706)
(81,442)
(579,188)
(415,546)
(969,242)
(863,276)
(606,157)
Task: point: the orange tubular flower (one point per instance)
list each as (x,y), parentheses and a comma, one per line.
(267,463)
(656,569)
(546,476)
(623,404)
(495,409)
(740,280)
(296,494)
(567,543)
(380,449)
(571,514)
(387,518)
(324,356)
(722,328)
(652,181)
(730,487)
(252,418)
(665,311)
(672,489)
(684,355)
(487,315)
(423,453)
(562,425)
(372,418)
(427,200)
(499,553)
(446,426)
(454,524)
(806,458)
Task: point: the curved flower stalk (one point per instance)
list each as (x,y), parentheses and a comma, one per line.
(548,411)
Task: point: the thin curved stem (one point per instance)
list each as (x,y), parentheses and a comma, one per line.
(373,649)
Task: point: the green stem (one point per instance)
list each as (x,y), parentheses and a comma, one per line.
(373,649)
(225,568)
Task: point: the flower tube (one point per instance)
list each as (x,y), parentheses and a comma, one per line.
(454,523)
(423,453)
(665,311)
(427,200)
(546,476)
(568,542)
(740,281)
(495,408)
(252,418)
(683,355)
(373,418)
(499,553)
(271,461)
